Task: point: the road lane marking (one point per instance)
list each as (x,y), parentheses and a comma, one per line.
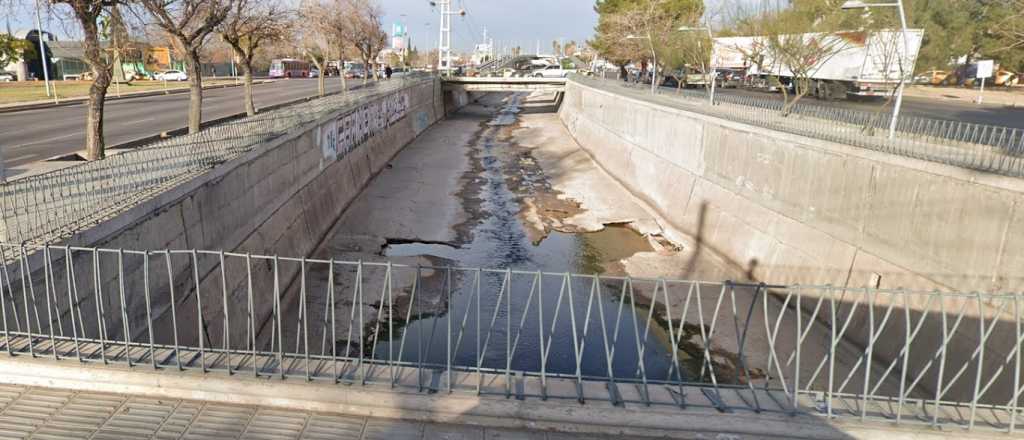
(139,120)
(44,141)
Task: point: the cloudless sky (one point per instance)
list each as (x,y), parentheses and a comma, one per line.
(508,22)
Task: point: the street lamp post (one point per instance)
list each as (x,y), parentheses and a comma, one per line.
(859,4)
(42,51)
(711,62)
(654,60)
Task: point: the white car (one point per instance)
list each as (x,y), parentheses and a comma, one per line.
(172,75)
(314,72)
(552,72)
(6,77)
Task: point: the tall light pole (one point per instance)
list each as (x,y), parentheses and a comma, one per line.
(444,45)
(711,62)
(654,60)
(858,4)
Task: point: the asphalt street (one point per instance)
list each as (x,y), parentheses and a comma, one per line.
(33,135)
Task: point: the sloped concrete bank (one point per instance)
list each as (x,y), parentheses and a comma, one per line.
(281,198)
(790,209)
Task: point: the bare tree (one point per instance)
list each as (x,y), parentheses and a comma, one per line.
(87,13)
(249,25)
(368,36)
(801,40)
(325,25)
(188,23)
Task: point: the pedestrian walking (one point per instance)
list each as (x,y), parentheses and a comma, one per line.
(387,72)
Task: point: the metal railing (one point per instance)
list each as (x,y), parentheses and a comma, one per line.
(990,148)
(942,359)
(51,206)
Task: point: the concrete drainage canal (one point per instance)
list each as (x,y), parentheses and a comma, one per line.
(477,192)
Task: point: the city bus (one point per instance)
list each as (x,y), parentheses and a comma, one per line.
(289,68)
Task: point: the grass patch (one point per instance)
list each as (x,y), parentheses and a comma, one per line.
(28,91)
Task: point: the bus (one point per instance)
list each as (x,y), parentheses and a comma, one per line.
(289,68)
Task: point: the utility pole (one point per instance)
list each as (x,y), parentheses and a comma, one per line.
(42,51)
(444,45)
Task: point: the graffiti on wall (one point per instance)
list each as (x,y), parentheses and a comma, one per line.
(347,132)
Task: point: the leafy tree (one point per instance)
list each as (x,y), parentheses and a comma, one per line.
(11,49)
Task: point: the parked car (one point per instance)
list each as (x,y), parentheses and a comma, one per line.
(314,72)
(552,72)
(932,77)
(1006,78)
(6,77)
(729,78)
(171,75)
(355,73)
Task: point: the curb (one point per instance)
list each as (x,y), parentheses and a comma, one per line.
(79,99)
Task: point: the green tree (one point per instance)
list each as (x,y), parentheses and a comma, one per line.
(12,49)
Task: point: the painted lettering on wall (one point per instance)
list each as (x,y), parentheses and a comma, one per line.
(341,136)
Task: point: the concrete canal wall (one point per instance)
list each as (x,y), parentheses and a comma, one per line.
(280,198)
(790,209)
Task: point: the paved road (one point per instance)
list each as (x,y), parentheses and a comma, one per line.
(32,135)
(922,107)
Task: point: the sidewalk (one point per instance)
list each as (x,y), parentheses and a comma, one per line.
(1002,96)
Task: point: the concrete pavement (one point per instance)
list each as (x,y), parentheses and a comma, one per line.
(35,412)
(34,135)
(991,114)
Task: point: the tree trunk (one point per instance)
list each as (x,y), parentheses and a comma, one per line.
(344,82)
(321,86)
(250,105)
(195,99)
(94,145)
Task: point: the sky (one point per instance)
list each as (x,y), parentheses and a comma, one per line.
(508,22)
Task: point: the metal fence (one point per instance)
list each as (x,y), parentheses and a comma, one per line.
(55,205)
(990,148)
(942,359)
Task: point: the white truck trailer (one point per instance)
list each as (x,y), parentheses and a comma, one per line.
(863,63)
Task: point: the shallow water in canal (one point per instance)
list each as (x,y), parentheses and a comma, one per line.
(549,322)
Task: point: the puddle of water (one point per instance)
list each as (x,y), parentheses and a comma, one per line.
(426,249)
(584,253)
(499,241)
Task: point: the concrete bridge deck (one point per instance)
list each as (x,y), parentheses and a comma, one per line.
(38,412)
(119,391)
(511,84)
